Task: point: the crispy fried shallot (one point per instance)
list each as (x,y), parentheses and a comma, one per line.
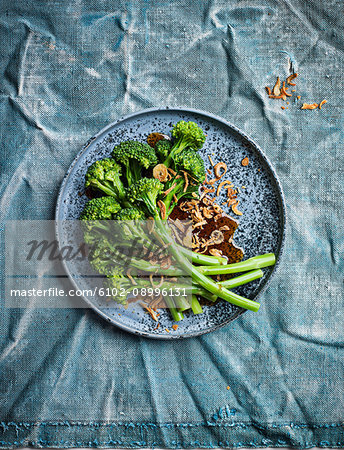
(160,172)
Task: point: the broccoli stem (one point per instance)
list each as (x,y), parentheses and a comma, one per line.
(230,284)
(148,267)
(103,187)
(242,279)
(182,302)
(256,262)
(207,260)
(169,197)
(195,305)
(224,293)
(203,280)
(198,290)
(177,316)
(179,146)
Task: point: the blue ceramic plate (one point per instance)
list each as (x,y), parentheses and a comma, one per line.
(261,227)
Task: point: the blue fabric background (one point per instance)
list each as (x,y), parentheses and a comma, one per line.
(69,68)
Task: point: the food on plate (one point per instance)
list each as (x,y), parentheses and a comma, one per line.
(171,227)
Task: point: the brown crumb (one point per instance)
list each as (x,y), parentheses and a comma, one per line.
(277,88)
(150,311)
(268,90)
(166,329)
(287,103)
(172,171)
(322,103)
(217,169)
(186,181)
(228,388)
(235,210)
(169,189)
(291,77)
(309,106)
(245,162)
(211,161)
(216,252)
(298,97)
(162,208)
(175,327)
(276,96)
(282,107)
(284,91)
(223,183)
(293,90)
(152,282)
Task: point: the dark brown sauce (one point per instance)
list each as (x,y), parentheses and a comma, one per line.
(228,248)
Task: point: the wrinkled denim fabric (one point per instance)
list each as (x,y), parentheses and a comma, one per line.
(68,69)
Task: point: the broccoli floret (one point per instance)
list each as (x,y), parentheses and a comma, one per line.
(146,191)
(105,175)
(191,161)
(130,214)
(186,134)
(134,156)
(95,215)
(103,208)
(163,148)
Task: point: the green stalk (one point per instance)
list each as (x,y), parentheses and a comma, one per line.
(197,290)
(242,279)
(167,200)
(195,305)
(207,260)
(146,266)
(205,281)
(104,188)
(181,302)
(256,262)
(224,293)
(176,315)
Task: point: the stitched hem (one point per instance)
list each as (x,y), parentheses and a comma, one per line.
(69,434)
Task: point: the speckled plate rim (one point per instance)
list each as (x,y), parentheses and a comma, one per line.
(181,110)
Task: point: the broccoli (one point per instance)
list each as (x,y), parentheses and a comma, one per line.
(146,191)
(134,156)
(130,214)
(186,134)
(102,208)
(163,148)
(130,228)
(104,259)
(191,161)
(94,216)
(142,197)
(183,156)
(105,175)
